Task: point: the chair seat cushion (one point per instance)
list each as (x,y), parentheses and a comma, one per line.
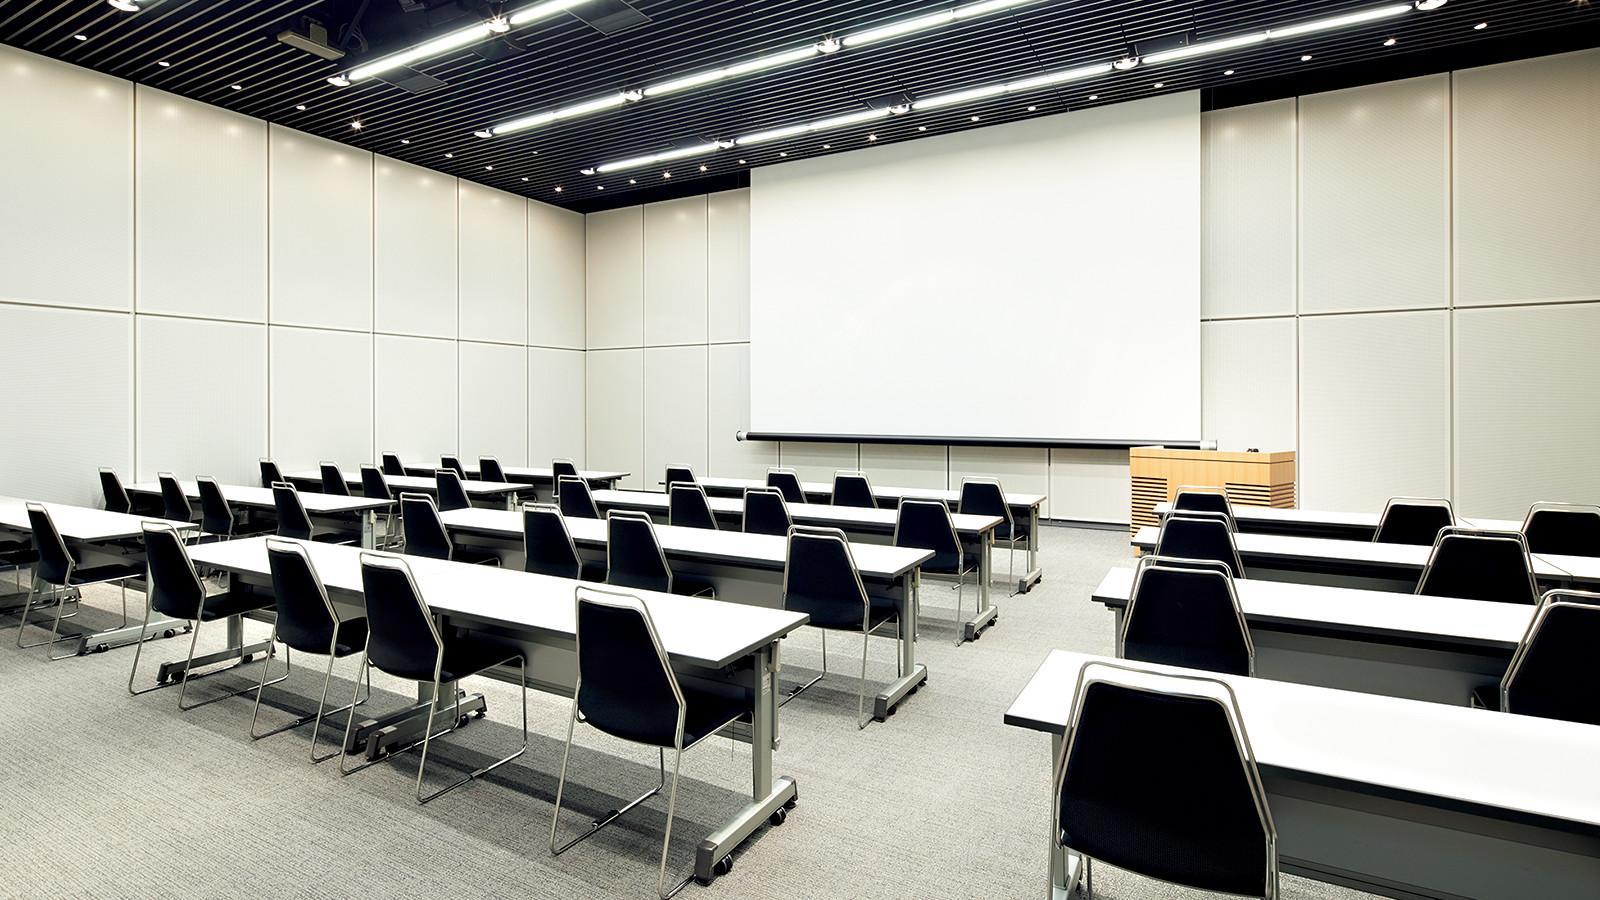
(232,603)
(113,572)
(351,638)
(708,706)
(465,656)
(880,610)
(1017,530)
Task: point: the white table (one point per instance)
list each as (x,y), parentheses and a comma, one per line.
(317,504)
(1351,526)
(1392,796)
(703,639)
(1422,648)
(1024,507)
(496,492)
(542,478)
(744,568)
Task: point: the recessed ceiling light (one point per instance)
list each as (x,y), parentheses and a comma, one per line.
(558,188)
(163,63)
(633,181)
(872,137)
(1126,63)
(300,106)
(1228,72)
(741,162)
(449,156)
(483,133)
(1305,57)
(488,168)
(1094,96)
(599,187)
(704,168)
(827,146)
(1478,27)
(922,128)
(237,87)
(355,125)
(1033,109)
(524,178)
(1426,5)
(975,119)
(1389,43)
(666,174)
(124,5)
(80,37)
(1161,84)
(783,153)
(405,140)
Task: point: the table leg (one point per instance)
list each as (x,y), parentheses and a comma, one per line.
(987,614)
(1065,866)
(913,674)
(377,738)
(1034,574)
(369,529)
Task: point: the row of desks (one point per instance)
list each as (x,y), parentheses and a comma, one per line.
(1348,526)
(541,477)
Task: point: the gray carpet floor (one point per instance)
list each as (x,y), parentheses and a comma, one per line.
(113,795)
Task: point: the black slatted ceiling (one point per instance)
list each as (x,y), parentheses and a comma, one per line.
(213,45)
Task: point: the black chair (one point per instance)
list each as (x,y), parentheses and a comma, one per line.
(404,642)
(765,512)
(634,558)
(562,468)
(1564,529)
(985,497)
(679,475)
(1480,565)
(452,495)
(547,546)
(270,473)
(853,489)
(926,525)
(375,486)
(333,480)
(427,536)
(1156,776)
(307,621)
(117,499)
(1413,520)
(453,464)
(56,571)
(392,465)
(820,579)
(216,513)
(1204,500)
(174,502)
(175,591)
(489,470)
(574,498)
(688,506)
(1198,535)
(787,483)
(1553,673)
(627,689)
(1185,613)
(295,522)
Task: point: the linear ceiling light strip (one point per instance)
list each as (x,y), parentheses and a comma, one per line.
(454,40)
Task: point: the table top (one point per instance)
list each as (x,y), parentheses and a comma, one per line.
(875,561)
(882,492)
(1494,763)
(803,513)
(261,498)
(536,473)
(1267,515)
(419,483)
(82,523)
(693,630)
(1378,614)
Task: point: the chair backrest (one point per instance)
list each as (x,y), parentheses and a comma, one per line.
(424,531)
(1157,776)
(679,475)
(1203,500)
(174,502)
(1566,529)
(687,505)
(451,494)
(634,558)
(489,470)
(174,589)
(1554,672)
(926,525)
(293,522)
(575,499)
(1480,565)
(984,497)
(402,639)
(270,473)
(1413,520)
(547,546)
(1185,613)
(116,495)
(1192,535)
(333,480)
(560,468)
(306,619)
(626,687)
(453,464)
(392,466)
(216,516)
(766,512)
(374,486)
(820,579)
(787,483)
(853,489)
(55,563)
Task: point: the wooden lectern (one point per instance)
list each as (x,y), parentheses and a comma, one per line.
(1249,479)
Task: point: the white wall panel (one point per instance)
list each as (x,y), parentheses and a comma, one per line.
(908,465)
(202,237)
(818,462)
(1089,485)
(1527,148)
(414,400)
(728,266)
(1247,209)
(728,411)
(1020,470)
(1374,409)
(414,250)
(555,276)
(614,414)
(202,399)
(1249,383)
(321,398)
(555,405)
(675,410)
(494,265)
(62,428)
(494,402)
(614,273)
(1527,415)
(68,134)
(321,232)
(675,272)
(1375,196)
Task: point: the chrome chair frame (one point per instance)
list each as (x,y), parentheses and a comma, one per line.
(551,509)
(62,594)
(126,501)
(1588,601)
(833,495)
(555,477)
(1547,506)
(584,486)
(798,484)
(640,516)
(1011,528)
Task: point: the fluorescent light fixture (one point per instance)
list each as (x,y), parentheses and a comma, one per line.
(664,156)
(1012,87)
(1356,18)
(1428,5)
(711,76)
(124,5)
(1201,49)
(566,112)
(977,93)
(935,20)
(454,40)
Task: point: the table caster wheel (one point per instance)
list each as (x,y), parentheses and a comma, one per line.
(792,802)
(723,866)
(779,816)
(245,658)
(480,713)
(168,633)
(101,648)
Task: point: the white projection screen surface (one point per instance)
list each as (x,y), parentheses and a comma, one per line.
(1039,280)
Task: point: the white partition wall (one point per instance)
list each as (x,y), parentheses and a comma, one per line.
(201,406)
(321,232)
(414,251)
(494,402)
(321,397)
(614,416)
